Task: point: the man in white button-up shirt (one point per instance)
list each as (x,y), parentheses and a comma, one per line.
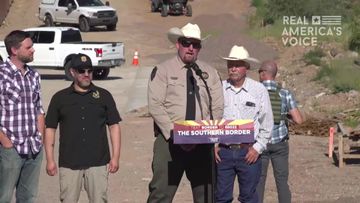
(244,98)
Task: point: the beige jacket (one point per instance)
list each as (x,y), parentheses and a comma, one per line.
(167,94)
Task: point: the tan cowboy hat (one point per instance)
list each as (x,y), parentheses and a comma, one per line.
(239,53)
(188,31)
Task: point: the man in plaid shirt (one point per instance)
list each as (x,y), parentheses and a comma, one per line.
(278,148)
(21,121)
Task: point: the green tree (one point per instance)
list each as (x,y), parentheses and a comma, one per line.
(354,41)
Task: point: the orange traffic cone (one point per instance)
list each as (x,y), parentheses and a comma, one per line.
(135,61)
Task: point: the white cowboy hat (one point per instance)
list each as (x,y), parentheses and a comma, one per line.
(239,53)
(188,31)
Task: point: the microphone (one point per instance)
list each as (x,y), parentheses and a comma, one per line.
(199,73)
(196,68)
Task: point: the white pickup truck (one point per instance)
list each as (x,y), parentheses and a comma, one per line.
(85,13)
(54,46)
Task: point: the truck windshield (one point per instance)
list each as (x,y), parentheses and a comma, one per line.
(70,36)
(90,3)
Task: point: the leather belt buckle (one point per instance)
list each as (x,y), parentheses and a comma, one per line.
(234,146)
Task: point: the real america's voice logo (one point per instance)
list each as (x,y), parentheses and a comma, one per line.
(303,31)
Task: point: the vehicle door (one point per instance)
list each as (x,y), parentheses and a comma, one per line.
(66,15)
(44,48)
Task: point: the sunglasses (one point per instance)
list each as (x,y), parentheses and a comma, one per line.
(260,71)
(82,71)
(187,43)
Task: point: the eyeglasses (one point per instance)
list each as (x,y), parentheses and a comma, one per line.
(186,43)
(261,70)
(82,71)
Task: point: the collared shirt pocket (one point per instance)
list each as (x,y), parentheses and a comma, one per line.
(176,88)
(250,110)
(68,107)
(97,108)
(13,95)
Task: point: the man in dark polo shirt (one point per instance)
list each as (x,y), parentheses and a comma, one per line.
(83,111)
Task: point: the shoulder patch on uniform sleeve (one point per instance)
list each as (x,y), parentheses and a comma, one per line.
(153,73)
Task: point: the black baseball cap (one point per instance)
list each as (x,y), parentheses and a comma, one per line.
(81,61)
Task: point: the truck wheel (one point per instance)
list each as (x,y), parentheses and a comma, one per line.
(84,24)
(188,10)
(100,74)
(68,75)
(48,21)
(111,27)
(164,10)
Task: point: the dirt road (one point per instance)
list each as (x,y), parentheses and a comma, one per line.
(313,176)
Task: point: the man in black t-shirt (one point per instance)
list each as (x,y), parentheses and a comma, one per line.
(83,110)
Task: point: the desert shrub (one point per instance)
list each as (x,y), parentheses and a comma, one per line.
(342,87)
(323,73)
(272,12)
(275,30)
(314,56)
(351,122)
(354,41)
(278,8)
(260,18)
(353,119)
(340,76)
(257,3)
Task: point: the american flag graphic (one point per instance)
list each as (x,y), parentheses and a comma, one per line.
(315,20)
(331,20)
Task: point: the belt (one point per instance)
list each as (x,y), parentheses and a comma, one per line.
(236,146)
(286,139)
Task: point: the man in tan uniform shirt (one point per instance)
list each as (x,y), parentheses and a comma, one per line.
(168,102)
